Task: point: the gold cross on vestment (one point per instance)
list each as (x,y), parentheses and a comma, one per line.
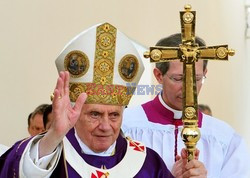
(189,52)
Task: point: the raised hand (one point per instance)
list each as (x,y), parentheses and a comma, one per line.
(64,115)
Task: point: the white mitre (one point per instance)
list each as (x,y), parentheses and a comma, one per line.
(104,63)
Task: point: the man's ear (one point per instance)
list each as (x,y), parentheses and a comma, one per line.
(158,75)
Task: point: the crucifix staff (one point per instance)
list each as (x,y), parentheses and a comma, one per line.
(189,52)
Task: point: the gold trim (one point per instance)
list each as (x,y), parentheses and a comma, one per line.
(104,54)
(101,94)
(135,144)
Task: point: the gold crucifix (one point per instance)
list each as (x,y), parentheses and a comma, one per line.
(189,52)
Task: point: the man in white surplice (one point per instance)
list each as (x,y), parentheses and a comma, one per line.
(158,123)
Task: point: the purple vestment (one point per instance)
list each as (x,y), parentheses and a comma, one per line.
(153,167)
(157,113)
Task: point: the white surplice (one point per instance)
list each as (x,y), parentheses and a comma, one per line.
(222,150)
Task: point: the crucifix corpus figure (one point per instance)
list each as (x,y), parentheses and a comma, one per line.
(189,52)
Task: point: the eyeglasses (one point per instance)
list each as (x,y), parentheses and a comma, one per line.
(179,78)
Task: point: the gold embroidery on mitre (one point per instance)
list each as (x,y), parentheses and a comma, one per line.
(104,54)
(101,94)
(77,63)
(75,89)
(102,90)
(128,67)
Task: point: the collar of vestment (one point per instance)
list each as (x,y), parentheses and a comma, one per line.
(85,149)
(133,157)
(158,111)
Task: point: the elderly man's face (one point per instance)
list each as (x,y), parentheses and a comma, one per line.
(99,125)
